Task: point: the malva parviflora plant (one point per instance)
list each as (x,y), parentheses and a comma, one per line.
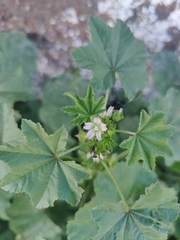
(124,197)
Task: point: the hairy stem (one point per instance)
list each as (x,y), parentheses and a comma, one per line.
(73,149)
(122,155)
(126,132)
(114,181)
(107,96)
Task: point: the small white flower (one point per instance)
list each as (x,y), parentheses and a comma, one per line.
(96,157)
(95,128)
(89,154)
(107,113)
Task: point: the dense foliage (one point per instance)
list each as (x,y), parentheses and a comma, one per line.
(68,167)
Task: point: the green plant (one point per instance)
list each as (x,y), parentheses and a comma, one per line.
(95,183)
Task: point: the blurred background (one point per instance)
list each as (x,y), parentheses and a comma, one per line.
(58,26)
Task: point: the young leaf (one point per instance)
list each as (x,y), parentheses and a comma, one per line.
(113,50)
(17,63)
(53,100)
(85,107)
(132,181)
(148,219)
(37,169)
(149,141)
(9,132)
(168,104)
(29,222)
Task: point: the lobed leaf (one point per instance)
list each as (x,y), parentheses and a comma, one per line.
(149,141)
(113,50)
(9,132)
(148,219)
(85,107)
(132,181)
(168,104)
(36,167)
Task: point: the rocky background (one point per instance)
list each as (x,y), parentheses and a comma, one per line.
(57,26)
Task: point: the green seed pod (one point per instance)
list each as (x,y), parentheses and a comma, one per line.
(117,115)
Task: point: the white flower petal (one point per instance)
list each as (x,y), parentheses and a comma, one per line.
(88,125)
(101,156)
(103,127)
(89,154)
(97,120)
(110,111)
(96,158)
(120,110)
(90,134)
(98,135)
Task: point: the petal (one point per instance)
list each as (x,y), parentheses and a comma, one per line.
(103,114)
(109,111)
(101,156)
(90,134)
(89,154)
(96,158)
(103,127)
(120,110)
(97,120)
(88,125)
(98,135)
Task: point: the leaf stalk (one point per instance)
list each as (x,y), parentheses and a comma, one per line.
(114,181)
(126,132)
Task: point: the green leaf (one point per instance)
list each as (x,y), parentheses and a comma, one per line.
(113,50)
(37,169)
(17,63)
(166,71)
(85,107)
(29,222)
(53,100)
(4,204)
(148,219)
(132,181)
(9,132)
(149,141)
(168,104)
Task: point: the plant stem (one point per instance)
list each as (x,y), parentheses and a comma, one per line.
(126,132)
(73,149)
(122,155)
(114,181)
(107,96)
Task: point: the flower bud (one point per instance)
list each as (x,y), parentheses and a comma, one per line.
(117,115)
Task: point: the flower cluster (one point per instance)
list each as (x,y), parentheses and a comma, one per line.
(96,129)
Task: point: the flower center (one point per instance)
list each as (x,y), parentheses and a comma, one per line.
(96,128)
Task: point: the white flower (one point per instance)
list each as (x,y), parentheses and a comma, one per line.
(94,156)
(95,128)
(107,113)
